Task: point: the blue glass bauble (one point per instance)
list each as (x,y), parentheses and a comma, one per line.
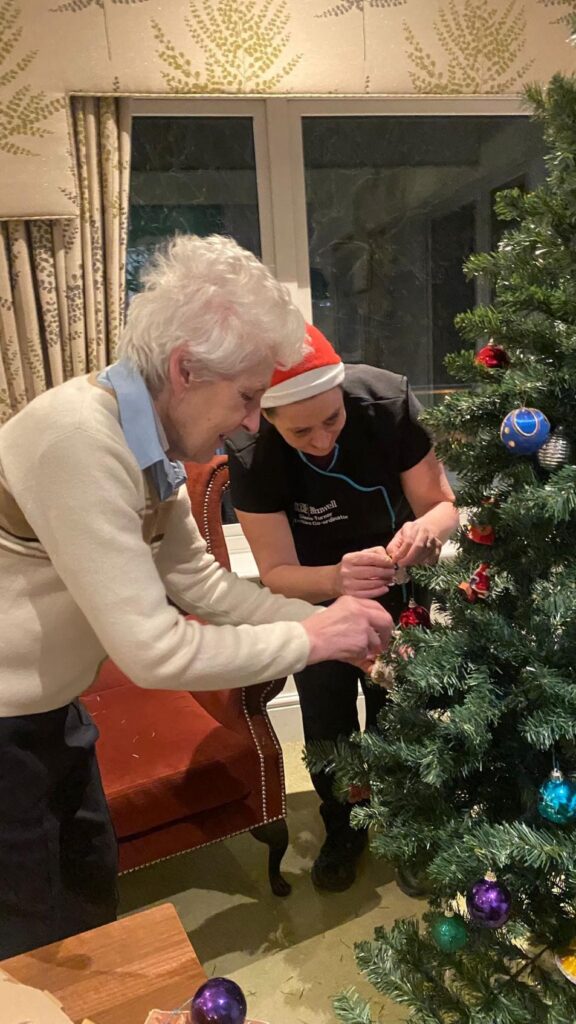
(489,903)
(449,933)
(557,799)
(218,1001)
(524,431)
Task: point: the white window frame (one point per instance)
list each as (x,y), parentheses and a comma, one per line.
(280,177)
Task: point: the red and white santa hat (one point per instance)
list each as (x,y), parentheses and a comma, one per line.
(319,370)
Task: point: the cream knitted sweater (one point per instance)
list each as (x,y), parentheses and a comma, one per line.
(88,556)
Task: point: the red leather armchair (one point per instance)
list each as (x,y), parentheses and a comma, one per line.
(181,770)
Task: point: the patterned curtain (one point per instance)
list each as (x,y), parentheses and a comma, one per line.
(62,281)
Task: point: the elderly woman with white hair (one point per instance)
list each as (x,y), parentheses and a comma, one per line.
(96,534)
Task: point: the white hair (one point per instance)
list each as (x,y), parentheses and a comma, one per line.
(219,301)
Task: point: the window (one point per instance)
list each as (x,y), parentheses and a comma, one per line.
(394,206)
(366,209)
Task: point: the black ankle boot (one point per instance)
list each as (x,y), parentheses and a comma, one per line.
(334,869)
(413,883)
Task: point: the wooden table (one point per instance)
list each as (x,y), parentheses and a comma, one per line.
(116,974)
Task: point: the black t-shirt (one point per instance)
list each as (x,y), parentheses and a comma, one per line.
(356,501)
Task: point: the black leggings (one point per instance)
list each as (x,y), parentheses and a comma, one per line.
(58,851)
(328,700)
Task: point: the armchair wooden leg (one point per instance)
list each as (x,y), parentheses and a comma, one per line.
(275,835)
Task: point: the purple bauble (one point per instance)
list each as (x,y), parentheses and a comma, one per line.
(489,903)
(218,1001)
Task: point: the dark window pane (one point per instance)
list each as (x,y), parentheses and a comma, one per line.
(192,175)
(451,240)
(395,205)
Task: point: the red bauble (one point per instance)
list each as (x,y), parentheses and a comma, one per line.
(481,534)
(415,615)
(493,356)
(357,793)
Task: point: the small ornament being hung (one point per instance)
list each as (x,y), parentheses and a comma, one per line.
(449,932)
(557,800)
(382,673)
(489,902)
(524,431)
(401,574)
(480,533)
(556,452)
(493,356)
(415,615)
(478,586)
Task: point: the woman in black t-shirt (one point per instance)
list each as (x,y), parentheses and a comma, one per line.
(339,488)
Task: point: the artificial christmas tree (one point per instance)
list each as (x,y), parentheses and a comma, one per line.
(484,707)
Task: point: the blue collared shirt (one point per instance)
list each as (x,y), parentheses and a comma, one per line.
(142,428)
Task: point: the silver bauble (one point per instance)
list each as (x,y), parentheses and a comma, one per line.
(556,452)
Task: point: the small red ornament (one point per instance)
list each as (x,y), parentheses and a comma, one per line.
(480,581)
(415,615)
(478,585)
(357,793)
(493,356)
(481,534)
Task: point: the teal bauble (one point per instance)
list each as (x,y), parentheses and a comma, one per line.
(449,933)
(557,800)
(524,431)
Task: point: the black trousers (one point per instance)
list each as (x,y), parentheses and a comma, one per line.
(58,851)
(329,704)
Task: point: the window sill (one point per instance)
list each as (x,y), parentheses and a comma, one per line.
(241,558)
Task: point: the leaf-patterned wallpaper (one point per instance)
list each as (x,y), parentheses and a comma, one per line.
(478,47)
(52,48)
(242,48)
(25,112)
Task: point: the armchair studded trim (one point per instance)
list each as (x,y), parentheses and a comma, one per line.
(207,483)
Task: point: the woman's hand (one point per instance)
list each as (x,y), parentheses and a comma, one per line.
(349,630)
(415,544)
(367,573)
